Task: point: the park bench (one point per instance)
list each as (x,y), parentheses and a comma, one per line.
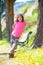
(24,38)
(21,41)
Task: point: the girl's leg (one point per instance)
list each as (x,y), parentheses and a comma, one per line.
(11,41)
(13,47)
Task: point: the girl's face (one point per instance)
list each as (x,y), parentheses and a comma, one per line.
(20,18)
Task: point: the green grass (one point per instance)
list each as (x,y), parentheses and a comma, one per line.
(4,42)
(30,57)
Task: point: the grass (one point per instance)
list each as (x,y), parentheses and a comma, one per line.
(4,42)
(30,57)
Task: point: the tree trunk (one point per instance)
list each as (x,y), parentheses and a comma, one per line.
(0,29)
(9,18)
(38,41)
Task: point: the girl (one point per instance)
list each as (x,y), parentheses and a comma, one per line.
(18,28)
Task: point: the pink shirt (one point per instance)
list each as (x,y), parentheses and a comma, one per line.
(18,29)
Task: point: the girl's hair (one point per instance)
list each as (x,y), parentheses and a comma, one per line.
(21,16)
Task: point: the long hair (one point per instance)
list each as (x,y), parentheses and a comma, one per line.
(21,16)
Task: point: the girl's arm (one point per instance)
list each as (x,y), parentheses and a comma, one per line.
(13,26)
(27,24)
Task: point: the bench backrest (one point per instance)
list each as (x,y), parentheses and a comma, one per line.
(24,38)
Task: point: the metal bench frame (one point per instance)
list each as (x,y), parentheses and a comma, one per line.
(27,39)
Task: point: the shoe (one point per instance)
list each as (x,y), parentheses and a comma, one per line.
(11,55)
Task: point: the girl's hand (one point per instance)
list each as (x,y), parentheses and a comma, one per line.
(13,25)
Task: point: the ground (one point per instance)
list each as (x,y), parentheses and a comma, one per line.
(23,57)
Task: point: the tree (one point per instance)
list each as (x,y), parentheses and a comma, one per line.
(2,7)
(9,17)
(38,41)
(0,29)
(1,11)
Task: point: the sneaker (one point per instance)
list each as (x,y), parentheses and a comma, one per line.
(11,55)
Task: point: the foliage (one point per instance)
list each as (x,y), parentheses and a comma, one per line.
(34,17)
(4,42)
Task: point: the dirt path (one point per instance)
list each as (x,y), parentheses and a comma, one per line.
(4,59)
